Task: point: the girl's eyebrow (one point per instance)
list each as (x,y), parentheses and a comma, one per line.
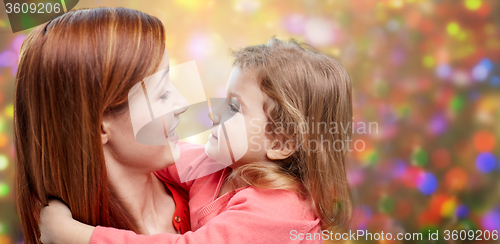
(238,97)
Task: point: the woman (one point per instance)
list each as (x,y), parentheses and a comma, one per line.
(73,133)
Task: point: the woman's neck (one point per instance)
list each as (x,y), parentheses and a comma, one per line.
(145,197)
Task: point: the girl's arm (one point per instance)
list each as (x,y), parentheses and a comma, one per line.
(262,216)
(58,216)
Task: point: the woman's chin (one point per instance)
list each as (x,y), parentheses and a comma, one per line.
(175,151)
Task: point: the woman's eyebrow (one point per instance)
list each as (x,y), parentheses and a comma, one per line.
(162,77)
(165,73)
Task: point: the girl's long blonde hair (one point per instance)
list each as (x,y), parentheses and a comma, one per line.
(312,92)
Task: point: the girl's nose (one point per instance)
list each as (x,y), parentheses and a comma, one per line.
(214,117)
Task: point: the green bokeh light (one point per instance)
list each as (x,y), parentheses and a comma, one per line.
(4,189)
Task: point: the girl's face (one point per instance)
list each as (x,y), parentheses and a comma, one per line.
(144,137)
(239,123)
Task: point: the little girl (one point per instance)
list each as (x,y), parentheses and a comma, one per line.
(290,184)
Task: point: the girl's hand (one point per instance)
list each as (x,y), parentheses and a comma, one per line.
(58,226)
(52,218)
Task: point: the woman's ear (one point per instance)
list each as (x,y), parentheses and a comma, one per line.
(280,150)
(105,133)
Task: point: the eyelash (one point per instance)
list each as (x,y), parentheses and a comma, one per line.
(165,96)
(234,108)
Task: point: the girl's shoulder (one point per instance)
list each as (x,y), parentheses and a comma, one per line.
(194,163)
(276,202)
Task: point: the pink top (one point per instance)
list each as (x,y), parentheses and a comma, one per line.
(245,215)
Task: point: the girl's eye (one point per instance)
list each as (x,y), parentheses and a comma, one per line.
(165,96)
(234,107)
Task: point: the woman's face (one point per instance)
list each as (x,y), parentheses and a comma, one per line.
(144,137)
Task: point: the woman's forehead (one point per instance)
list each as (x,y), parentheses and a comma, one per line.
(165,63)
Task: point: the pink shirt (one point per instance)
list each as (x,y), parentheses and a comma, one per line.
(246,215)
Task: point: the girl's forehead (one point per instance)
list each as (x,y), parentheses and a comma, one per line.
(244,86)
(242,78)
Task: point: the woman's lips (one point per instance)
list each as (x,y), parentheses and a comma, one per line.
(172,135)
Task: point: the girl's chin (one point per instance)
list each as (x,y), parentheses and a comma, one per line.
(211,150)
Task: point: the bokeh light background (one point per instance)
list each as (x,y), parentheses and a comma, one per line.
(427,72)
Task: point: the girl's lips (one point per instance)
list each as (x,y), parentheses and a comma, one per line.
(173,136)
(214,132)
(211,137)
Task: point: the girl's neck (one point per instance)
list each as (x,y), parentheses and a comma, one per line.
(145,197)
(225,185)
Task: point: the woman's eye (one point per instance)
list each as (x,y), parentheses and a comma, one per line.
(165,96)
(234,108)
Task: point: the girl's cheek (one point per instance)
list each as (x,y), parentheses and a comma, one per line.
(235,130)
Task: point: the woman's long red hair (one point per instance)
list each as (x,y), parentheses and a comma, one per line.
(73,70)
